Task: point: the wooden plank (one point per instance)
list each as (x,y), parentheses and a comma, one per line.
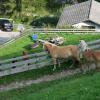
(22,63)
(25,68)
(42,29)
(64,30)
(75,32)
(21,57)
(95,47)
(94,42)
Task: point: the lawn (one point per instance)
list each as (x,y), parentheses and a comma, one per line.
(15,49)
(78,87)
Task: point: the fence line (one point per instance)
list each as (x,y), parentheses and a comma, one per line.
(51,31)
(14,39)
(34,61)
(19,58)
(24,68)
(94,44)
(64,30)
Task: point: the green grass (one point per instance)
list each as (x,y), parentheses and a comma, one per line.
(66,89)
(15,49)
(78,87)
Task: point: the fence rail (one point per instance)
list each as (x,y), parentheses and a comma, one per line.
(65,30)
(50,31)
(20,64)
(94,44)
(34,61)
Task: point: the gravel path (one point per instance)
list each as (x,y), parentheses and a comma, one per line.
(46,78)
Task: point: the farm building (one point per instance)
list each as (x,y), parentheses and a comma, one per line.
(81,15)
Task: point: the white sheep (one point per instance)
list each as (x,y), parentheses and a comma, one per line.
(83,47)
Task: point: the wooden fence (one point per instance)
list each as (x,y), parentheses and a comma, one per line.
(50,31)
(33,61)
(44,30)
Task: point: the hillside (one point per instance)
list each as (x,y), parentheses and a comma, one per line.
(32,12)
(38,13)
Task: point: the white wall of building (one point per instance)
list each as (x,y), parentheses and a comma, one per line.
(86,25)
(81,25)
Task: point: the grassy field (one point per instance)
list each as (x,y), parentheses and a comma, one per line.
(78,87)
(15,49)
(82,87)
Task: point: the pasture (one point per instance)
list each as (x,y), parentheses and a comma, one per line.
(15,49)
(78,87)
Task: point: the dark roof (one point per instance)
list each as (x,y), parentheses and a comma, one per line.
(89,10)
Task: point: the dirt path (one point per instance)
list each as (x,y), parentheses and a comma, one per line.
(16,85)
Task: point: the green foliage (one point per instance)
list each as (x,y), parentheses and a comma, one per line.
(27,11)
(45,21)
(6,8)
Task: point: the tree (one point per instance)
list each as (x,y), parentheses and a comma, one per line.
(6,7)
(19,7)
